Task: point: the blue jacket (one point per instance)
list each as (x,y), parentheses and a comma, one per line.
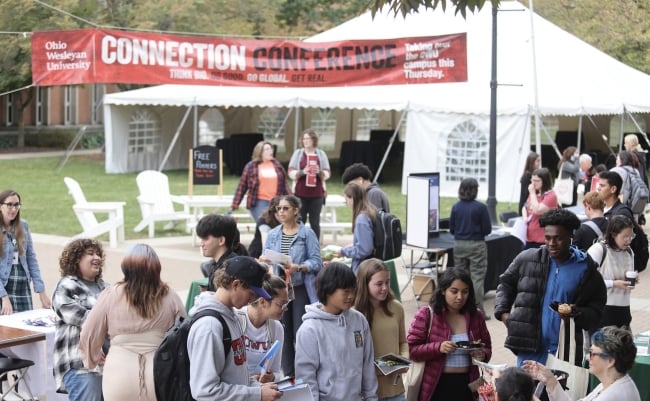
(27,261)
(305,249)
(363,243)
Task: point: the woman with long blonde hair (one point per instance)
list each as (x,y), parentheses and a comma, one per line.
(134,314)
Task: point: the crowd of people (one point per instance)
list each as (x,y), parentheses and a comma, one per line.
(331,321)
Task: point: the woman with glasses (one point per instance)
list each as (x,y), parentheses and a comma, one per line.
(297,241)
(262,178)
(611,357)
(309,168)
(615,258)
(18,264)
(541,199)
(260,325)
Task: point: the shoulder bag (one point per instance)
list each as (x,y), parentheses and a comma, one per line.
(563,188)
(578,377)
(413,377)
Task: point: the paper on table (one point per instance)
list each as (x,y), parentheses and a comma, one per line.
(276,257)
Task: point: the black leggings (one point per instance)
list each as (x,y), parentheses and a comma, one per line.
(453,386)
(312,206)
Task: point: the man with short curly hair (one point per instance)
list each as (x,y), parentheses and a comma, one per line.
(361,174)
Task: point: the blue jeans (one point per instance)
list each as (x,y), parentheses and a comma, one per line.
(398,397)
(259,208)
(83,385)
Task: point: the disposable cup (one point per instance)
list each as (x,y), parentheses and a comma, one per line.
(630,276)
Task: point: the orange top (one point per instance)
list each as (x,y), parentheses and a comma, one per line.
(268,179)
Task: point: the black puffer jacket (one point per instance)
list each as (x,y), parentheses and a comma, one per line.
(521,293)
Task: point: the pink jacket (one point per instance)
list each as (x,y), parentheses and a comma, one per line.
(423,349)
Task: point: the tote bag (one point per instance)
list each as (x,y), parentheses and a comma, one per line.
(413,377)
(578,380)
(563,189)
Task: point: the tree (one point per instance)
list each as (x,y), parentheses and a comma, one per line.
(405,7)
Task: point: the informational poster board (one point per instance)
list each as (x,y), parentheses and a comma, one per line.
(422,208)
(205,167)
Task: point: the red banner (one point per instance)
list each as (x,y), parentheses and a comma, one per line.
(111,56)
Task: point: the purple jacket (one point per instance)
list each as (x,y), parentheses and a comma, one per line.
(423,349)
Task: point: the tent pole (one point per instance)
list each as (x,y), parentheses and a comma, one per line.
(390,145)
(492,161)
(621,129)
(174,139)
(195,135)
(296,120)
(579,132)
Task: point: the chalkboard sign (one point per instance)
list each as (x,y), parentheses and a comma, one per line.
(205,166)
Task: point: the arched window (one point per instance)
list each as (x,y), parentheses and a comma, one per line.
(324,123)
(144,133)
(211,127)
(369,120)
(271,126)
(467,152)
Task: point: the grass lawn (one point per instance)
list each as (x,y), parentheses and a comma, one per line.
(47,206)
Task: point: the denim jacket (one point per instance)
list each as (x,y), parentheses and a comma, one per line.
(27,261)
(305,249)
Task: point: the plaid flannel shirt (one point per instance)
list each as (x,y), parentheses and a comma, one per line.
(249,182)
(72,301)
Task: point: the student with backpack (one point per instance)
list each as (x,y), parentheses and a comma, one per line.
(615,258)
(260,324)
(470,223)
(217,373)
(591,230)
(364,216)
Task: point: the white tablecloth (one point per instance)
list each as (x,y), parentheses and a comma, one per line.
(39,377)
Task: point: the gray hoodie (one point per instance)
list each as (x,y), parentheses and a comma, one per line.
(334,355)
(212,375)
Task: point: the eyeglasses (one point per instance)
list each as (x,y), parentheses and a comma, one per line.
(600,354)
(282,208)
(630,238)
(283,305)
(14,205)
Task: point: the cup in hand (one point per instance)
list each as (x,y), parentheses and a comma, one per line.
(630,276)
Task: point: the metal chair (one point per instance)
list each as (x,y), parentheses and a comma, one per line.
(20,366)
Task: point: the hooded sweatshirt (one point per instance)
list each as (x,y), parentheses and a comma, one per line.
(334,355)
(217,374)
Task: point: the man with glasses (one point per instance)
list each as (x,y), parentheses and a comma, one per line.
(557,272)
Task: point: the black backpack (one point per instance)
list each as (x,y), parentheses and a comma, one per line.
(171,363)
(387,231)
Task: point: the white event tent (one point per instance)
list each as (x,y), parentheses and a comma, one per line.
(447,124)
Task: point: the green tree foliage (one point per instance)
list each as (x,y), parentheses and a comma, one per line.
(313,16)
(620,28)
(405,7)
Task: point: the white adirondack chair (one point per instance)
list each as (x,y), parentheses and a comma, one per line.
(85,212)
(157,204)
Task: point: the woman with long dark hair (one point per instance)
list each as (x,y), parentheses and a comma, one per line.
(364,216)
(454,319)
(569,167)
(541,199)
(533,162)
(135,314)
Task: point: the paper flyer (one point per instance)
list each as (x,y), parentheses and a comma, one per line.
(269,357)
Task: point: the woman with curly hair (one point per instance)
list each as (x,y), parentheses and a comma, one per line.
(81,264)
(135,313)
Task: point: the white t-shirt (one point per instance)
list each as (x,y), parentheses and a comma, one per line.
(257,343)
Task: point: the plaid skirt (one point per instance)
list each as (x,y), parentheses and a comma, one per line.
(18,289)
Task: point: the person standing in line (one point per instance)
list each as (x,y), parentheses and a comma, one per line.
(217,234)
(135,314)
(569,167)
(595,227)
(454,319)
(470,223)
(261,327)
(609,189)
(334,348)
(81,264)
(385,316)
(541,199)
(309,168)
(364,216)
(360,174)
(18,263)
(616,258)
(631,144)
(586,172)
(533,162)
(262,178)
(555,272)
(292,238)
(217,373)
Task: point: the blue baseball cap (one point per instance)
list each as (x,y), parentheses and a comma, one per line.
(250,272)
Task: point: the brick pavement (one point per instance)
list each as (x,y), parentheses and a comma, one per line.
(180,261)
